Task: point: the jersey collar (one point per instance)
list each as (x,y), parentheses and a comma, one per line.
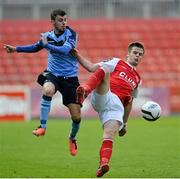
(130,65)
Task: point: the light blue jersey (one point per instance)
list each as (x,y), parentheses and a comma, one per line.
(60,61)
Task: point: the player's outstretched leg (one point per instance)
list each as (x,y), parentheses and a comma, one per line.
(81,94)
(105,155)
(93,81)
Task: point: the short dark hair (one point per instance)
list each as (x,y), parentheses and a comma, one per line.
(56,12)
(136,44)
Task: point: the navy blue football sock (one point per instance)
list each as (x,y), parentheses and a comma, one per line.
(74,129)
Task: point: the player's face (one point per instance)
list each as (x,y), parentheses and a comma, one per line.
(59,23)
(135,56)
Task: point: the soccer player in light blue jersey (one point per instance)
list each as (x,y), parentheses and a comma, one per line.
(61,73)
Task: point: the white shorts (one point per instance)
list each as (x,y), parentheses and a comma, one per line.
(108,106)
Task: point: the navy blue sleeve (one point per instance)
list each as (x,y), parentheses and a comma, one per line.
(30,48)
(65,49)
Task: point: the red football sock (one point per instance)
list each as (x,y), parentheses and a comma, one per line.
(105,151)
(94,80)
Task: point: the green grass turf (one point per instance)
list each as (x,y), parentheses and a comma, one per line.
(150,149)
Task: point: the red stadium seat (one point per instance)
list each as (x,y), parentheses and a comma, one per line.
(97,42)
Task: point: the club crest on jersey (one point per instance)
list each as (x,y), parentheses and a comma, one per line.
(125,77)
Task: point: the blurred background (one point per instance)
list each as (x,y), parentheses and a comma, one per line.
(105,28)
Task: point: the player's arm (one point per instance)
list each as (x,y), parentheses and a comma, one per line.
(27,48)
(64,49)
(9,48)
(127,110)
(87,64)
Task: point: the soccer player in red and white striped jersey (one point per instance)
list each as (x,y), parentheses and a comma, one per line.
(113,84)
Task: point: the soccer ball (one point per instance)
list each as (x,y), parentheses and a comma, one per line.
(151,111)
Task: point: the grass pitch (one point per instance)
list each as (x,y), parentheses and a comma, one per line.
(149,149)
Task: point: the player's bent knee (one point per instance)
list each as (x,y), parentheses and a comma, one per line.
(76,115)
(109,134)
(48,90)
(76,118)
(108,137)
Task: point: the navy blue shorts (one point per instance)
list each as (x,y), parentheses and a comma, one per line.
(65,85)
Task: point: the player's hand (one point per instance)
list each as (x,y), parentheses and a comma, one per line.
(44,39)
(9,48)
(123,131)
